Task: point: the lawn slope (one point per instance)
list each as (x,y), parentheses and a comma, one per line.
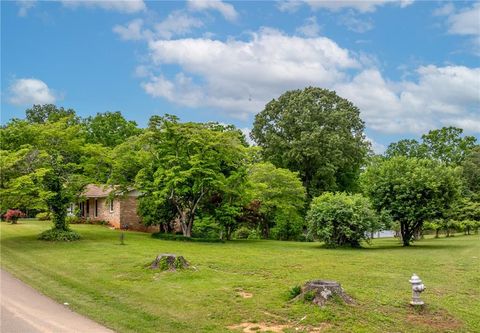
(111,284)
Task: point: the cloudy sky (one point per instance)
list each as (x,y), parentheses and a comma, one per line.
(410,66)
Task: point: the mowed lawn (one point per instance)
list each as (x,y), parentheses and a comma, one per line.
(111,284)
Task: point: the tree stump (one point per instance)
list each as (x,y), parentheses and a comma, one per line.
(320,292)
(170,262)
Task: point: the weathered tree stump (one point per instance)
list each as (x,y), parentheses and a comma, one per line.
(320,292)
(170,262)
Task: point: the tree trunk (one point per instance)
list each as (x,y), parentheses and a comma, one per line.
(406,234)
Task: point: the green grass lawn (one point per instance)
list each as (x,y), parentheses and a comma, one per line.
(111,284)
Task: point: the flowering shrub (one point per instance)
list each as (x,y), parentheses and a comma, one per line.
(13,215)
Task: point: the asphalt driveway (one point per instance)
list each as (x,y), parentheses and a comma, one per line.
(25,310)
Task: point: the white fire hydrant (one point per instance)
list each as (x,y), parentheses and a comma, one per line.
(417,288)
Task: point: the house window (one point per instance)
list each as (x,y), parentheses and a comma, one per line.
(111,206)
(96,208)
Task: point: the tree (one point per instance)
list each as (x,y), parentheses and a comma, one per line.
(471,172)
(448,145)
(40,114)
(191,162)
(411,191)
(341,219)
(445,145)
(406,147)
(109,129)
(281,199)
(315,133)
(51,169)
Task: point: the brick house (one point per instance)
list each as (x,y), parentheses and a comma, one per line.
(119,212)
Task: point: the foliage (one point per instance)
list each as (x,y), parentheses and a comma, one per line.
(175,237)
(13,215)
(109,129)
(340,219)
(411,191)
(471,172)
(206,227)
(446,145)
(157,213)
(294,292)
(315,133)
(191,162)
(73,219)
(281,199)
(242,233)
(43,216)
(40,114)
(59,235)
(50,168)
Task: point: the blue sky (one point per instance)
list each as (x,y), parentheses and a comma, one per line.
(410,66)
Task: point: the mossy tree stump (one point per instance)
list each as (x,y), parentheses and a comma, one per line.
(170,262)
(320,292)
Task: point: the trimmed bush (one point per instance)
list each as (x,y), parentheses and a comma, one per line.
(241,233)
(341,219)
(54,235)
(43,216)
(164,236)
(72,219)
(13,215)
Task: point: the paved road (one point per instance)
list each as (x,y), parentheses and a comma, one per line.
(25,310)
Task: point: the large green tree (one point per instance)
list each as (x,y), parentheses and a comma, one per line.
(281,199)
(316,133)
(411,191)
(109,129)
(51,168)
(191,162)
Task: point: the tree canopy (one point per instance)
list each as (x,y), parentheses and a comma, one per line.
(411,191)
(316,133)
(446,145)
(192,162)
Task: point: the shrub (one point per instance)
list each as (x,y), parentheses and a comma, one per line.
(13,215)
(288,226)
(254,234)
(73,219)
(294,292)
(164,236)
(341,219)
(206,227)
(241,233)
(59,235)
(43,216)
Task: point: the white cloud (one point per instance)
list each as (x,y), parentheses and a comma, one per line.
(241,76)
(227,10)
(362,6)
(466,21)
(356,23)
(30,91)
(446,9)
(310,28)
(177,23)
(25,6)
(440,95)
(238,77)
(132,31)
(122,6)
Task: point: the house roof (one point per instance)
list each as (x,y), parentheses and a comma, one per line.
(97,191)
(103,191)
